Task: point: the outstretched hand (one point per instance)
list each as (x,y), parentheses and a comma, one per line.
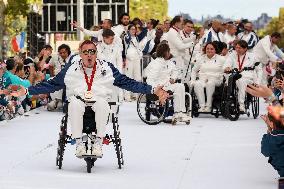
(162,94)
(17,90)
(259,91)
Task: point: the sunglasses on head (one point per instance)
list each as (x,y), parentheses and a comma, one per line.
(89,51)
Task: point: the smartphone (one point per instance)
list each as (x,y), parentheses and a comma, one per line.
(278,75)
(281,183)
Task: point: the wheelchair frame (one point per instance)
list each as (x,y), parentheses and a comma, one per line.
(64,138)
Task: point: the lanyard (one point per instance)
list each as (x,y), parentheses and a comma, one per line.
(241,63)
(89,83)
(175,28)
(184,34)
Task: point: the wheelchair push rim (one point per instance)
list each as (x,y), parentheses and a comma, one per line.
(149,111)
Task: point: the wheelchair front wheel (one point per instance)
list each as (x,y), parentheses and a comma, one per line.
(149,109)
(61,142)
(255,107)
(232,110)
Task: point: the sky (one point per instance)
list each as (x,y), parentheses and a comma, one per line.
(233,9)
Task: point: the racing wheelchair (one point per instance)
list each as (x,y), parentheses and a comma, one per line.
(89,126)
(231,104)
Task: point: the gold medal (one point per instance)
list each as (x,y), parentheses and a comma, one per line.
(88,95)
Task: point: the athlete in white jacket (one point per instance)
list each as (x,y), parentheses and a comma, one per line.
(89,79)
(163,72)
(187,35)
(249,36)
(209,69)
(176,44)
(134,54)
(239,59)
(108,50)
(107,24)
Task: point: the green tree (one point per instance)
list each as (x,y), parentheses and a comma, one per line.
(275,25)
(146,9)
(13,19)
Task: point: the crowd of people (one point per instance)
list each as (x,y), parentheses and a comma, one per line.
(180,53)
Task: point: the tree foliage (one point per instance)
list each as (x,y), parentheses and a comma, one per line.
(275,25)
(146,9)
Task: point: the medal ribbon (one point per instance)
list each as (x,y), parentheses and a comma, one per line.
(89,83)
(241,63)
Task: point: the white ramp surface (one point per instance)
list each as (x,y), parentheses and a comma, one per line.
(209,153)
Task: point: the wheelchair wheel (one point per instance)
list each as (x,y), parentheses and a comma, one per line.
(61,142)
(194,105)
(255,107)
(150,110)
(232,110)
(90,163)
(117,142)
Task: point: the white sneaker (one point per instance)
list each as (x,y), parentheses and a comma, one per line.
(51,105)
(242,108)
(59,104)
(97,147)
(184,117)
(207,109)
(80,149)
(201,109)
(21,110)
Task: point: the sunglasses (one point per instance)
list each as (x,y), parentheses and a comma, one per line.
(89,51)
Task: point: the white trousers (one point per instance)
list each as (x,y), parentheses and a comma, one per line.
(76,111)
(242,85)
(209,86)
(133,68)
(179,96)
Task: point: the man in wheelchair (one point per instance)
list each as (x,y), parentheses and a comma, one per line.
(239,59)
(163,72)
(88,79)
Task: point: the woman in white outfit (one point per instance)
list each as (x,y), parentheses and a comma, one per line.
(134,54)
(209,69)
(163,72)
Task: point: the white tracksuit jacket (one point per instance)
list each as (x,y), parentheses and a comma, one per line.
(177,48)
(265,51)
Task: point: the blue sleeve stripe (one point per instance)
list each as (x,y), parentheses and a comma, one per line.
(147,47)
(124,82)
(209,37)
(142,34)
(251,42)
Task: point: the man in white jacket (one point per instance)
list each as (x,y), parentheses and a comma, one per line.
(239,59)
(111,52)
(213,34)
(163,72)
(177,46)
(89,79)
(267,51)
(106,24)
(249,36)
(187,35)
